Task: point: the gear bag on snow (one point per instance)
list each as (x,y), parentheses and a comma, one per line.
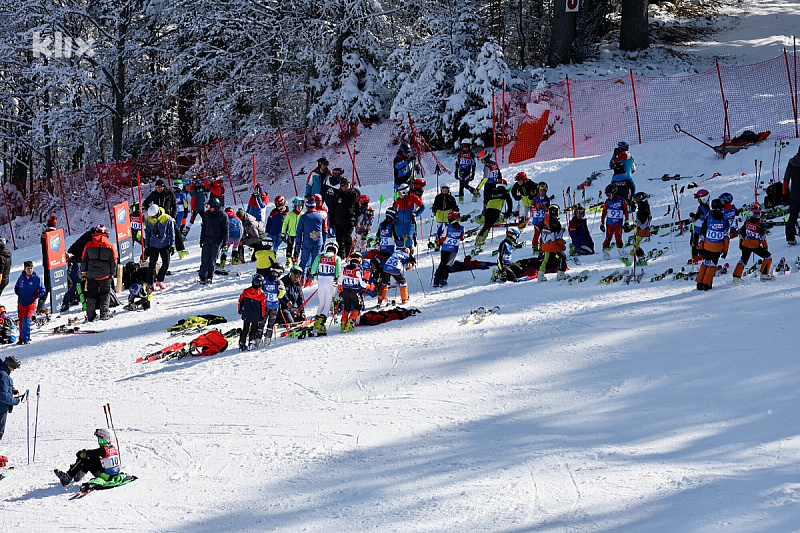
(210,343)
(197,321)
(373,318)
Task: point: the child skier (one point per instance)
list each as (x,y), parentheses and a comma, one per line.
(9,333)
(29,289)
(507,269)
(265,257)
(615,212)
(553,243)
(275,221)
(449,240)
(582,243)
(408,207)
(491,173)
(103,462)
(363,228)
(465,169)
(753,241)
(494,199)
(253,308)
(273,292)
(713,243)
(235,232)
(623,166)
(387,236)
(353,285)
(524,190)
(138,297)
(539,206)
(643,221)
(289,230)
(327,268)
(400,261)
(443,204)
(730,213)
(698,218)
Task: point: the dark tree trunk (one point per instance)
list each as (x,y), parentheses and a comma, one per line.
(118,120)
(633,33)
(562,34)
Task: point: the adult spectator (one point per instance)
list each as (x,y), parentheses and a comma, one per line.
(213,235)
(345,215)
(5,264)
(159,241)
(791,188)
(98,266)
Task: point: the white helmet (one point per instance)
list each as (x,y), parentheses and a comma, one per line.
(152,211)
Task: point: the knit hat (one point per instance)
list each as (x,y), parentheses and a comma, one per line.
(52,222)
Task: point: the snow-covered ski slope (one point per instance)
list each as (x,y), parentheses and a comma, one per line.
(650,407)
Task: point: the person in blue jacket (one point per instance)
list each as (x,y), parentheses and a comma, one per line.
(275,221)
(309,238)
(507,269)
(582,243)
(9,332)
(316,178)
(449,239)
(404,166)
(9,396)
(159,241)
(623,166)
(387,236)
(29,289)
(273,292)
(256,205)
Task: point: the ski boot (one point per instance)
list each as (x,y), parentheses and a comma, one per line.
(319,325)
(606,253)
(182,254)
(476,197)
(350,326)
(345,317)
(63,477)
(461,199)
(737,280)
(767,277)
(222,261)
(404,298)
(541,277)
(243,347)
(234,259)
(436,282)
(561,275)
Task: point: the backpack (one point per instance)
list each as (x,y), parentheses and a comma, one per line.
(373,318)
(132,273)
(774,195)
(210,343)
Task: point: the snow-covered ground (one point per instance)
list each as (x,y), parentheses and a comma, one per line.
(650,407)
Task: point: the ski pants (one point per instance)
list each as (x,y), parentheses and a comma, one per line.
(25,314)
(537,234)
(307,256)
(74,275)
(250,332)
(490,216)
(208,257)
(613,231)
(352,300)
(464,184)
(155,253)
(271,319)
(708,268)
(326,291)
(763,253)
(344,238)
(290,251)
(98,292)
(562,261)
(791,223)
(276,242)
(3,416)
(510,272)
(386,279)
(85,464)
(196,212)
(178,236)
(446,262)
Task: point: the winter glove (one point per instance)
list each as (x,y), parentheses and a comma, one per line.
(82,454)
(83,275)
(626,227)
(240,311)
(147,251)
(724,254)
(602,227)
(285,237)
(171,250)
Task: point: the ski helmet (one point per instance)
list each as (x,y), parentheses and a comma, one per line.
(311,204)
(484,155)
(257,281)
(322,161)
(501,181)
(521,177)
(702,195)
(369,212)
(12,361)
(755,211)
(267,242)
(296,271)
(580,211)
(726,197)
(406,249)
(542,186)
(554,210)
(512,232)
(135,289)
(466,143)
(280,201)
(337,172)
(391,213)
(356,257)
(717,205)
(152,211)
(402,190)
(641,196)
(611,189)
(297,202)
(453,216)
(332,247)
(419,183)
(363,199)
(104,230)
(276,270)
(103,436)
(213,203)
(405,148)
(623,146)
(446,189)
(177,183)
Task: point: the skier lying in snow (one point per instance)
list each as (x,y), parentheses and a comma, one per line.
(102,462)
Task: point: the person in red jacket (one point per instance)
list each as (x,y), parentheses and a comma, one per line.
(253,308)
(98,267)
(217,188)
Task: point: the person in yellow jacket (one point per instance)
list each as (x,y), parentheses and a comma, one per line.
(289,230)
(265,257)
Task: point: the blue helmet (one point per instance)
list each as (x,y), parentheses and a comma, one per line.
(726,197)
(622,145)
(298,201)
(513,233)
(135,289)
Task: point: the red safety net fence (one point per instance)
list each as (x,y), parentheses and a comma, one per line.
(280,160)
(588,118)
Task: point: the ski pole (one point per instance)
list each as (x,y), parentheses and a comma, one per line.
(470,266)
(28,427)
(36,422)
(380,205)
(420,282)
(111,420)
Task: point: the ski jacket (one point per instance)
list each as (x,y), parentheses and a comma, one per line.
(294,294)
(524,191)
(643,219)
(310,230)
(615,211)
(327,264)
(314,182)
(290,221)
(264,258)
(622,163)
(108,459)
(491,173)
(346,208)
(504,252)
(159,231)
(403,170)
(539,209)
(451,237)
(330,184)
(714,233)
(753,234)
(273,292)
(730,215)
(791,178)
(398,262)
(235,228)
(197,195)
(100,258)
(5,267)
(182,206)
(275,221)
(215,228)
(322,209)
(352,278)
(364,225)
(6,388)
(552,235)
(497,197)
(217,188)
(579,233)
(29,289)
(465,165)
(699,217)
(256,206)
(252,305)
(407,208)
(252,230)
(9,332)
(165,199)
(443,204)
(387,237)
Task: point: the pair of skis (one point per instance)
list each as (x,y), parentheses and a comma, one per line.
(476,316)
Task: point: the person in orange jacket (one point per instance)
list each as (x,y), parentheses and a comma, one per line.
(553,243)
(712,244)
(753,240)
